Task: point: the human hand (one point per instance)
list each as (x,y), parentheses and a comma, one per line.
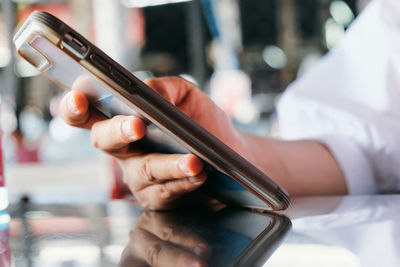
(156,180)
(158,240)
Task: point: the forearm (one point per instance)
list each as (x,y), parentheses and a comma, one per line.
(301,167)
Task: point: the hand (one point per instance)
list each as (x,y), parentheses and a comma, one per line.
(157,180)
(158,240)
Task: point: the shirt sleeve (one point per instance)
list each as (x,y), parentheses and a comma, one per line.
(349,102)
(354,164)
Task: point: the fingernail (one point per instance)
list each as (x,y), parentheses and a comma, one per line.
(71,105)
(127,130)
(196,179)
(183,165)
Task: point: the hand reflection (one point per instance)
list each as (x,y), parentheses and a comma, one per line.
(158,239)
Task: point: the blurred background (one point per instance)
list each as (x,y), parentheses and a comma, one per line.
(243,53)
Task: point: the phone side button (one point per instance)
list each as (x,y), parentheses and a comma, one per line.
(100,63)
(120,78)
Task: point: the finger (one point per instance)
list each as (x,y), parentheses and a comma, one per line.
(173,89)
(180,92)
(113,134)
(161,225)
(140,172)
(162,196)
(157,252)
(128,259)
(189,99)
(74,109)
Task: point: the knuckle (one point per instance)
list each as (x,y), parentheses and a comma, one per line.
(146,201)
(148,206)
(142,200)
(145,204)
(165,191)
(167,233)
(152,254)
(149,202)
(145,170)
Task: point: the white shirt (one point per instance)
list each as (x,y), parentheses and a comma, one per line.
(350,101)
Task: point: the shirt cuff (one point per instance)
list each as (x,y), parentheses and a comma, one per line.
(353,163)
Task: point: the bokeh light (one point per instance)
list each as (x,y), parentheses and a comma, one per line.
(274,57)
(334,33)
(341,13)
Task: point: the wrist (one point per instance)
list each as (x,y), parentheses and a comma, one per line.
(262,153)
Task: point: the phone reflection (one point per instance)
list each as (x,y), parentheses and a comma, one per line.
(225,238)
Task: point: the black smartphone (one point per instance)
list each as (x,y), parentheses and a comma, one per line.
(66,57)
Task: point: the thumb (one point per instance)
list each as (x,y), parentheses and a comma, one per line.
(182,93)
(174,89)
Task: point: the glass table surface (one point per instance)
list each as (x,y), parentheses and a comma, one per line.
(321,231)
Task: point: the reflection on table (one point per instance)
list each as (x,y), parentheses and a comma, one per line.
(349,231)
(121,233)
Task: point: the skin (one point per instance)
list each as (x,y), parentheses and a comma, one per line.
(159,240)
(160,181)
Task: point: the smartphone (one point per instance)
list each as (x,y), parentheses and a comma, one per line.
(66,57)
(237,245)
(224,232)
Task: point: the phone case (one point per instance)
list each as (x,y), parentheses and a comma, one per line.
(66,57)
